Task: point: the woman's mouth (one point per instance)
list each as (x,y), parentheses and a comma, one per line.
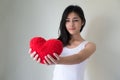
(72,29)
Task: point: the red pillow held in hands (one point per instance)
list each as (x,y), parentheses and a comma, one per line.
(44,47)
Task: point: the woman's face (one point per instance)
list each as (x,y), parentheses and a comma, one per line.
(73,23)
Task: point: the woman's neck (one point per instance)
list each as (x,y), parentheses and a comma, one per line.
(75,41)
(77,38)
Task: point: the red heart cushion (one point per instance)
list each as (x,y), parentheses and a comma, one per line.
(44,47)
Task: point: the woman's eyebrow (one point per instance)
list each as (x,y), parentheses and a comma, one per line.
(73,18)
(76,18)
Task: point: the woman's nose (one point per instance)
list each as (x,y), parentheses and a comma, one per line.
(72,23)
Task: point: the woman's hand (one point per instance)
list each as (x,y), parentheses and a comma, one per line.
(34,55)
(49,60)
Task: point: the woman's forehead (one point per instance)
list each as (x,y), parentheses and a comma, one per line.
(72,14)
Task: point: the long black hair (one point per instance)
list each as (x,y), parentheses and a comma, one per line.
(64,35)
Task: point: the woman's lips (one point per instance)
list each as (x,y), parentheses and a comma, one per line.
(72,29)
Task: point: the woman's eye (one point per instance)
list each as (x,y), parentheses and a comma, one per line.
(67,20)
(76,20)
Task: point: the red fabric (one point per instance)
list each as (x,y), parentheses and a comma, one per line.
(44,47)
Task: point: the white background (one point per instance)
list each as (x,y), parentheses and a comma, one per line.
(20,20)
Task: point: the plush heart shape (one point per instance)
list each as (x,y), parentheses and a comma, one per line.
(44,47)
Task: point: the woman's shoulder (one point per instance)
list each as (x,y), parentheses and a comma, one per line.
(90,45)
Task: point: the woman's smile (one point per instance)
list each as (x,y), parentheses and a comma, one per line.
(71,28)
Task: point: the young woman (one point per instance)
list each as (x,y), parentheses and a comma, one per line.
(70,65)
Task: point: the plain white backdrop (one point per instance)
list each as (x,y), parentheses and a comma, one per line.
(20,20)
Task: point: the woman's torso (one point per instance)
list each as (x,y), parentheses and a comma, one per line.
(70,72)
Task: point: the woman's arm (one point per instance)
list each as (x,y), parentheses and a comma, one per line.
(73,59)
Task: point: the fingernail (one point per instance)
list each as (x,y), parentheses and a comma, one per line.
(53,53)
(29,51)
(48,55)
(45,57)
(38,60)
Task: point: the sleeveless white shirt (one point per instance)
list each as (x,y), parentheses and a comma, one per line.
(70,72)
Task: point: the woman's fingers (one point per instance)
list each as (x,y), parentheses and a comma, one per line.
(56,56)
(45,62)
(36,57)
(38,61)
(30,50)
(51,59)
(48,60)
(33,54)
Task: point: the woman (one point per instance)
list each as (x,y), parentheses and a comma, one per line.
(70,65)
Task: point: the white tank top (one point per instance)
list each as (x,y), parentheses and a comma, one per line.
(70,72)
